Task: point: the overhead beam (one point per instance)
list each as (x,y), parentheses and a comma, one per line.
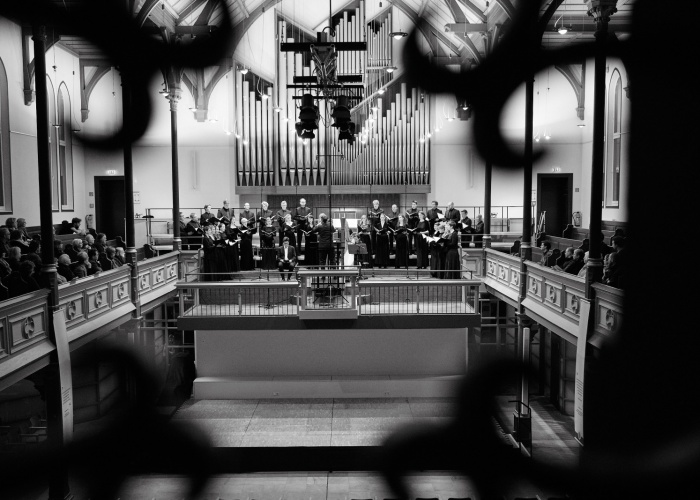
(507,8)
(463,37)
(189,10)
(241,4)
(146,11)
(466,28)
(205,15)
(473,9)
(428,34)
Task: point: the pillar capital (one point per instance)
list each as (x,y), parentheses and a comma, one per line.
(174,96)
(39,33)
(600,11)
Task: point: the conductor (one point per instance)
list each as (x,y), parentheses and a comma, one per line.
(325,232)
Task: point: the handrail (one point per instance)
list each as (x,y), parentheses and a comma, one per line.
(414,283)
(235,284)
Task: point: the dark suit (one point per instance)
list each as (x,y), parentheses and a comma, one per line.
(411,222)
(290,263)
(299,216)
(325,243)
(453,215)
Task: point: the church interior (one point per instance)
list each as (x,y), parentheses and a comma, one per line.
(347,250)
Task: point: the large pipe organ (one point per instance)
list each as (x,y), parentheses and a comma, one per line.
(392,141)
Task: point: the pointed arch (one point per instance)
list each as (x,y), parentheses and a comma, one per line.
(64,144)
(613,141)
(5,158)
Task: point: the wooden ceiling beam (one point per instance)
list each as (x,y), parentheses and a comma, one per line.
(189,10)
(473,9)
(466,28)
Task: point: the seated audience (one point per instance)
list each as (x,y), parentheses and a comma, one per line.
(575,264)
(100,243)
(71,249)
(16,241)
(21,281)
(5,269)
(89,242)
(75,226)
(612,271)
(22,227)
(120,243)
(80,268)
(11,223)
(546,248)
(63,268)
(107,261)
(39,276)
(14,258)
(34,247)
(4,242)
(93,259)
(57,248)
(584,269)
(120,256)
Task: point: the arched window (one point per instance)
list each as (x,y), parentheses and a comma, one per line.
(613,142)
(64,150)
(53,141)
(5,170)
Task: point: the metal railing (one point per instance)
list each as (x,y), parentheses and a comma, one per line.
(238,298)
(328,288)
(419,297)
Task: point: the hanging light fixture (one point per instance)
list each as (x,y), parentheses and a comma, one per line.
(391,69)
(398,35)
(381,91)
(243,70)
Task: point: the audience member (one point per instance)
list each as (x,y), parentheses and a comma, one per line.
(11,223)
(584,269)
(71,249)
(22,281)
(75,226)
(575,264)
(100,243)
(57,248)
(120,256)
(612,272)
(66,228)
(93,259)
(22,227)
(107,261)
(80,268)
(34,247)
(89,242)
(546,248)
(16,241)
(4,242)
(14,258)
(63,268)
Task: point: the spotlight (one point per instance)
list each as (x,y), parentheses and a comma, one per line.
(277,109)
(391,69)
(243,70)
(308,113)
(381,91)
(228,132)
(341,112)
(450,119)
(422,139)
(265,96)
(581,125)
(547,137)
(398,35)
(428,134)
(347,134)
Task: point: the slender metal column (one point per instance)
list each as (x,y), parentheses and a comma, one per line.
(174,97)
(488,170)
(59,489)
(131,257)
(600,10)
(526,245)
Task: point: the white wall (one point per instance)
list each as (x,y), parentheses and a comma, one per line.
(23,145)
